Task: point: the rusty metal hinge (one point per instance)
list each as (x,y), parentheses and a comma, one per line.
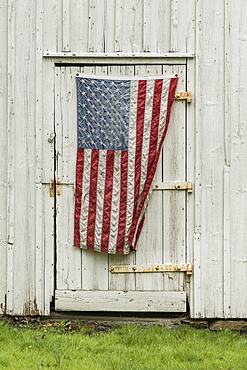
(52,187)
(185,95)
(173,185)
(152,268)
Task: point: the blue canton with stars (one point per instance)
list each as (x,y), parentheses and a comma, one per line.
(103,113)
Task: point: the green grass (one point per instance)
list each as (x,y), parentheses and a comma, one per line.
(127,347)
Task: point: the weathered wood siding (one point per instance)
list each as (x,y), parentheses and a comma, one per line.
(220,249)
(216,32)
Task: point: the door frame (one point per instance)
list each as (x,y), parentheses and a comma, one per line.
(94,61)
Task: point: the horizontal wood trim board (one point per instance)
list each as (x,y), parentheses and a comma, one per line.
(117,55)
(131,301)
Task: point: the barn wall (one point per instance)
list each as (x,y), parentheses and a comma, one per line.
(216,32)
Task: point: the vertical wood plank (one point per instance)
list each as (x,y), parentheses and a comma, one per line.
(190,175)
(110,25)
(196,306)
(48,127)
(227,118)
(48,214)
(3,151)
(10,154)
(237,31)
(53,25)
(183,26)
(96,34)
(227,244)
(174,203)
(174,25)
(25,253)
(210,156)
(66,124)
(197,298)
(21,143)
(131,32)
(47,170)
(147,25)
(69,263)
(41,283)
(79,25)
(39,246)
(66,25)
(161,18)
(119,26)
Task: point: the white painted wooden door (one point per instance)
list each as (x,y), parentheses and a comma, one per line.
(83,279)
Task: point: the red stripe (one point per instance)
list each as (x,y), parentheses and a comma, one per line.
(123,203)
(92,198)
(141,101)
(106,223)
(79,173)
(155,123)
(154,162)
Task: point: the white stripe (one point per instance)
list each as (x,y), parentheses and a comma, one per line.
(85,197)
(163,109)
(131,158)
(100,200)
(146,132)
(115,206)
(121,78)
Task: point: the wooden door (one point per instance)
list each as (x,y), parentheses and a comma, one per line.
(83,280)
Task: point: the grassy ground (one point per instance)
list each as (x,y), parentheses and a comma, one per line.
(127,347)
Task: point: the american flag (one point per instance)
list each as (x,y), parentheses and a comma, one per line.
(122,124)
